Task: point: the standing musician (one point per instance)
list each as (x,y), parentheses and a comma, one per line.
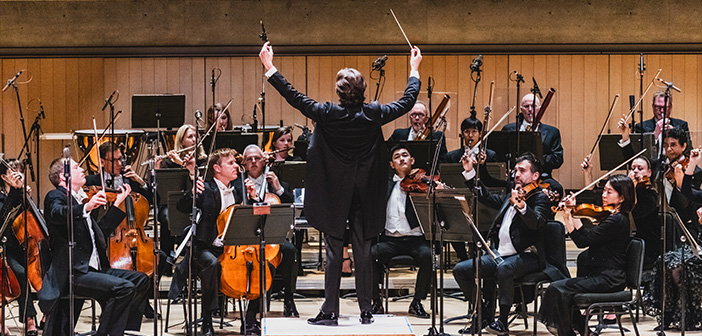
(655,124)
(282,143)
(418,118)
(403,236)
(121,293)
(346,173)
(224,119)
(213,196)
(601,268)
(255,162)
(11,183)
(514,232)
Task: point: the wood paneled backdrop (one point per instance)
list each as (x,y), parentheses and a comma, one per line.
(73,90)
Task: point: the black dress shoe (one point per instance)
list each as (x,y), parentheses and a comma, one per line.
(289,309)
(149,312)
(498,328)
(253,328)
(416,309)
(471,330)
(377,307)
(207,329)
(327,319)
(366,317)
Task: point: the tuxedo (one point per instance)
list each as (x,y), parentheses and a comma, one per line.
(649,126)
(551,144)
(121,293)
(402,134)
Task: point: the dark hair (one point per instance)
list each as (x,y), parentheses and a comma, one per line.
(14,164)
(676,133)
(211,117)
(648,161)
(624,186)
(350,86)
(397,148)
(282,130)
(471,122)
(535,163)
(107,147)
(55,171)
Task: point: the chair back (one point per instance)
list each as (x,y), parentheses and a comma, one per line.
(554,243)
(635,258)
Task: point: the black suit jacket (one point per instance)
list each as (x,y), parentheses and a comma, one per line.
(347,155)
(551,143)
(402,134)
(649,126)
(606,242)
(409,207)
(55,280)
(286,197)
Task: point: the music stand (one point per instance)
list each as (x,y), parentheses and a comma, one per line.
(168,108)
(449,212)
(504,143)
(232,139)
(292,172)
(422,152)
(611,153)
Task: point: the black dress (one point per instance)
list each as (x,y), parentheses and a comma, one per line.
(600,270)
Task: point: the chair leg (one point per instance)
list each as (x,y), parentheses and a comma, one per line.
(168,314)
(92,319)
(633,321)
(525,315)
(387,288)
(619,322)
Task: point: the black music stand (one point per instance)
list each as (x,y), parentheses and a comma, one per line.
(449,212)
(611,153)
(172,184)
(292,172)
(504,143)
(168,109)
(422,152)
(232,139)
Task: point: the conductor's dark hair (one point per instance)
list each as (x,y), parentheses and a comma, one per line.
(624,186)
(471,122)
(56,170)
(535,163)
(350,86)
(676,133)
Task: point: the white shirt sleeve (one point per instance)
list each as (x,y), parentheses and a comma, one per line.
(273,70)
(521,211)
(413,73)
(468,175)
(623,144)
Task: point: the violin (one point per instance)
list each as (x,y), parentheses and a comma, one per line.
(593,212)
(670,173)
(643,182)
(417,181)
(538,186)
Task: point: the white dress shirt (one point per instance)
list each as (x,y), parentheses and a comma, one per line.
(227,194)
(94,258)
(396,224)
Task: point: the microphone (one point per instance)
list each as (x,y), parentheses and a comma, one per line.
(41,108)
(255,120)
(380,62)
(520,77)
(11,81)
(109,100)
(198,115)
(212,79)
(536,89)
(670,85)
(67,163)
(477,63)
(642,66)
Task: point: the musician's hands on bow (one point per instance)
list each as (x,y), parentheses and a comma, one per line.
(659,127)
(266,56)
(695,158)
(699,215)
(586,165)
(272,178)
(415,59)
(124,193)
(250,189)
(128,172)
(624,129)
(14,179)
(97,200)
(218,242)
(468,162)
(678,173)
(200,185)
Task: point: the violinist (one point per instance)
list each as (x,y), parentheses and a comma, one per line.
(281,143)
(402,236)
(516,233)
(11,183)
(418,118)
(213,196)
(224,119)
(255,163)
(184,139)
(601,268)
(122,293)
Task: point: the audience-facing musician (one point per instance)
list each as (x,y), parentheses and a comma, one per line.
(655,124)
(185,138)
(402,236)
(418,118)
(11,183)
(600,267)
(213,196)
(123,293)
(281,143)
(255,162)
(514,232)
(224,119)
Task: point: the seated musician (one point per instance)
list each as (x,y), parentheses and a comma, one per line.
(281,143)
(255,163)
(601,268)
(514,232)
(655,124)
(11,183)
(403,236)
(418,118)
(185,138)
(224,119)
(213,196)
(121,293)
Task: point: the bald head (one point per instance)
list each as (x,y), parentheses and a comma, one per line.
(527,107)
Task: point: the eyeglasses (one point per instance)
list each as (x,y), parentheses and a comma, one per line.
(417,115)
(119,159)
(254,158)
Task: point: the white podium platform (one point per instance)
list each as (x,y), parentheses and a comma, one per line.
(348,325)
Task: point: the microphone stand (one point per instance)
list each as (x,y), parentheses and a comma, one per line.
(194,220)
(381,78)
(157,247)
(71,241)
(642,69)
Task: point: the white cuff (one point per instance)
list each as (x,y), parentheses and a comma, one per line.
(270,72)
(280,191)
(414,73)
(468,175)
(521,211)
(623,144)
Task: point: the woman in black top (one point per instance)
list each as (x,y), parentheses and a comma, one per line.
(282,142)
(185,137)
(601,266)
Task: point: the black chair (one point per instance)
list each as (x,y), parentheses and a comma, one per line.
(615,303)
(396,261)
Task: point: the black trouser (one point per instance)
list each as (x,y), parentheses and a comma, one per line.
(415,246)
(210,278)
(122,295)
(288,270)
(17,261)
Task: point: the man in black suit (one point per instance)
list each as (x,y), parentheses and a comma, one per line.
(516,235)
(346,173)
(255,163)
(655,124)
(121,293)
(418,118)
(402,236)
(213,196)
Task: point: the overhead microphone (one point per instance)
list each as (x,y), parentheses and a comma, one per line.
(11,81)
(109,100)
(536,88)
(198,115)
(41,108)
(669,84)
(477,63)
(380,62)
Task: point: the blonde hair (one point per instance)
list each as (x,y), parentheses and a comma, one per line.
(178,145)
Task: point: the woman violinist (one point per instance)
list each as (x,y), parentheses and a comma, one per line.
(11,183)
(601,266)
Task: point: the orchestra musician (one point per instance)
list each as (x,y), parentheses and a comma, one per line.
(185,138)
(346,173)
(282,143)
(255,163)
(601,268)
(515,232)
(11,183)
(213,196)
(418,118)
(121,293)
(224,119)
(655,124)
(402,236)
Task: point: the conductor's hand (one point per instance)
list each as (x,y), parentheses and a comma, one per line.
(415,60)
(266,56)
(124,193)
(98,199)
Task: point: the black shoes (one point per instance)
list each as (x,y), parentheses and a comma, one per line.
(472,330)
(377,307)
(149,312)
(207,329)
(366,317)
(289,309)
(326,319)
(498,328)
(252,328)
(416,309)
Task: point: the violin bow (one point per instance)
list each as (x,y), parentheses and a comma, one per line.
(607,174)
(488,115)
(214,137)
(402,30)
(102,135)
(496,124)
(97,148)
(609,115)
(633,109)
